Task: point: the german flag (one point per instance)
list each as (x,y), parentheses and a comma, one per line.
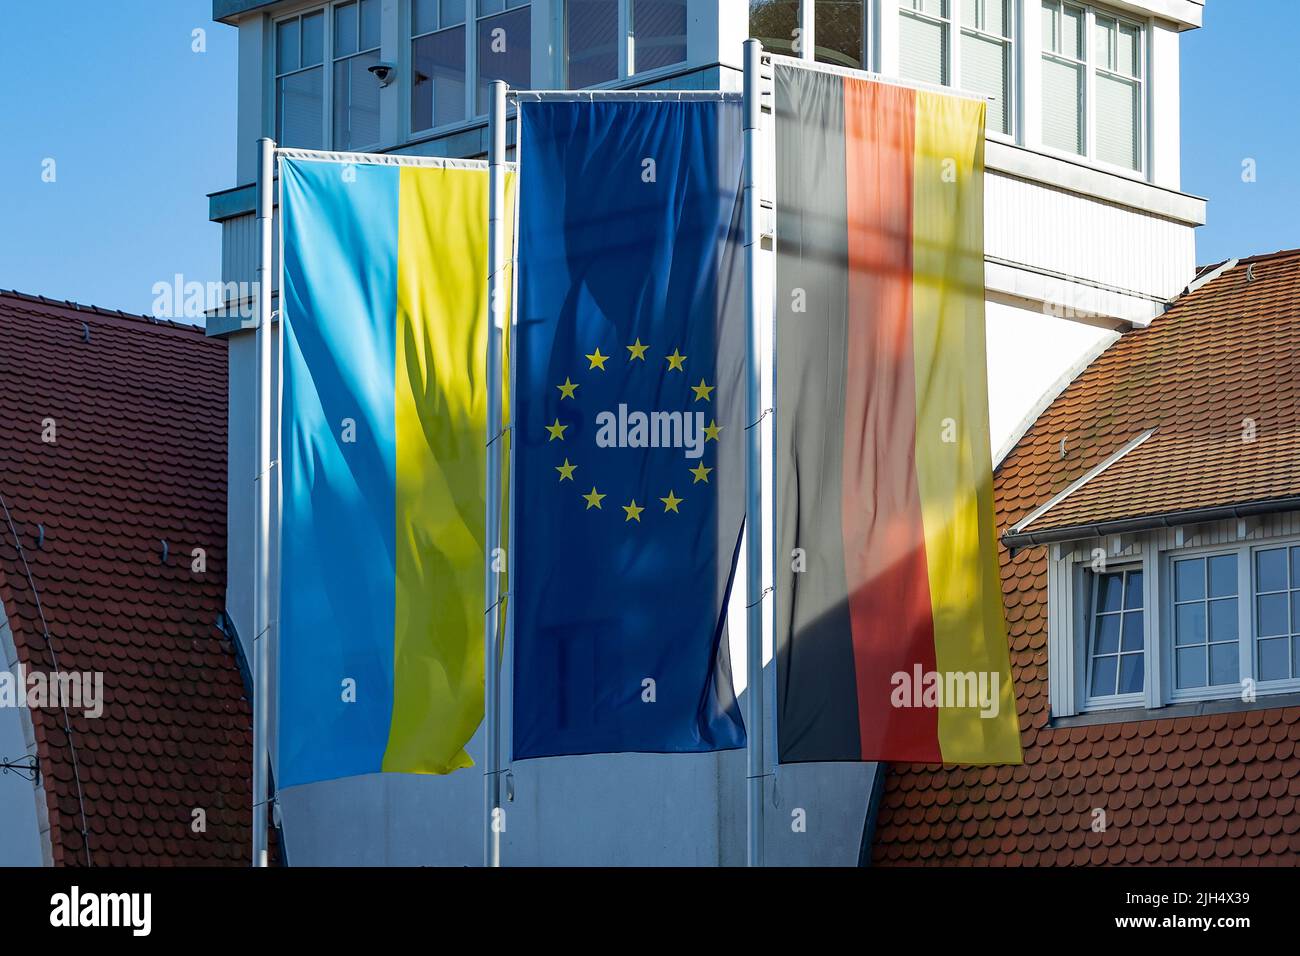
(891,641)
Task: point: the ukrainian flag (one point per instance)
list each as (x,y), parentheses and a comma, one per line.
(384,428)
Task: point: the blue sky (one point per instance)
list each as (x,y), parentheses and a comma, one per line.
(141,128)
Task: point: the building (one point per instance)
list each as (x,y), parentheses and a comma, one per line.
(1152,584)
(1088,236)
(112,563)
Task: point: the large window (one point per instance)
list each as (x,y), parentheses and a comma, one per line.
(839,34)
(1093,91)
(609,40)
(437,63)
(339,42)
(504,46)
(1277,613)
(1206,639)
(979,62)
(777,24)
(1115,635)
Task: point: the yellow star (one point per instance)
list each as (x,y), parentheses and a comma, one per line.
(633,512)
(637,350)
(567,389)
(712,429)
(597,360)
(594,499)
(702,391)
(701,473)
(671,502)
(565,470)
(675,361)
(556,430)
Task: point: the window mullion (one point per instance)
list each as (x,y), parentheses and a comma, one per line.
(1089,85)
(626,40)
(471,58)
(1246,614)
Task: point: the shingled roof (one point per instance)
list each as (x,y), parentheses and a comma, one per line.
(1220,788)
(96,554)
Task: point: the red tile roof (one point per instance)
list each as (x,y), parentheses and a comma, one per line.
(138,459)
(1219,788)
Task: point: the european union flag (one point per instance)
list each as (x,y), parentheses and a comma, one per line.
(629,454)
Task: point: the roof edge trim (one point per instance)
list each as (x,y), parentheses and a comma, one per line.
(1167,519)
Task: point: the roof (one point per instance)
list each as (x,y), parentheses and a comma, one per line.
(1215,381)
(1215,788)
(138,458)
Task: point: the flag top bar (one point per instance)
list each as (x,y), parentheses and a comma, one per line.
(382,159)
(595,96)
(776,59)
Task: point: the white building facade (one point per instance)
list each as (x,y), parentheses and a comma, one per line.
(1088,234)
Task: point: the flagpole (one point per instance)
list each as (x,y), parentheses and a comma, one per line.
(491,617)
(754,718)
(262,512)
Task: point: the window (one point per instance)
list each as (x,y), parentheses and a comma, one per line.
(776,24)
(595,50)
(986,57)
(356,90)
(438,63)
(299,81)
(1116,635)
(1092,93)
(839,33)
(1277,613)
(923,38)
(504,46)
(339,42)
(1205,622)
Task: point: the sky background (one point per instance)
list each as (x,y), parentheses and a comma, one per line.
(141,128)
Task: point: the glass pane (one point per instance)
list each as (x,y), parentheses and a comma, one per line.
(1111,587)
(1107,634)
(1273,614)
(1270,570)
(984,69)
(1130,674)
(1273,659)
(1072,32)
(1129,58)
(1223,576)
(838,34)
(776,23)
(658,33)
(1223,663)
(286,46)
(1117,122)
(1295,612)
(300,105)
(591,42)
(1062,100)
(438,80)
(486,7)
(1133,631)
(1103,676)
(1223,620)
(345,29)
(1189,623)
(1191,667)
(923,50)
(1295,567)
(504,52)
(1049,27)
(1101,49)
(969,13)
(424,16)
(1189,579)
(313,39)
(356,102)
(1133,590)
(369,25)
(453,13)
(997,17)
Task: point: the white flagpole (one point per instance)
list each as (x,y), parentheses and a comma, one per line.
(754,725)
(262,513)
(491,588)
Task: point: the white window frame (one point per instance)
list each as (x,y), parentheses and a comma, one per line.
(1088,606)
(1069,636)
(808,34)
(472,117)
(331,58)
(328,59)
(1089,94)
(626,50)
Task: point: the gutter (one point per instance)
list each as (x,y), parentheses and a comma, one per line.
(1169,519)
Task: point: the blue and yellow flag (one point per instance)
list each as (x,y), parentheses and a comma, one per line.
(384,428)
(630,447)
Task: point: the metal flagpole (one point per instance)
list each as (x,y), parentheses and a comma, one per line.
(262,515)
(754,762)
(491,580)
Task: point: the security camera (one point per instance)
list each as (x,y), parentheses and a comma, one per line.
(383,72)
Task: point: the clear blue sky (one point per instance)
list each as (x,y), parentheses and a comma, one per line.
(141,129)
